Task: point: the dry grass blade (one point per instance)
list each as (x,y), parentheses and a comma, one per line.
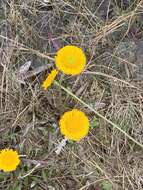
(114,79)
(35,52)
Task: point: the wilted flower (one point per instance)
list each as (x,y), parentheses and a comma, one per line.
(50,78)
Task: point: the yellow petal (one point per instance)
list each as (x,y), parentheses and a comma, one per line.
(50,78)
(70,60)
(9,160)
(74,125)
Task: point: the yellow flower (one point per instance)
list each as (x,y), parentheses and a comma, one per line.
(50,78)
(70,60)
(9,160)
(74,125)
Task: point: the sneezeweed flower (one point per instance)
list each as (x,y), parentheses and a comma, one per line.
(71,60)
(74,125)
(9,160)
(50,78)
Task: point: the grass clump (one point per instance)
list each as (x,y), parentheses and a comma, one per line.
(110,89)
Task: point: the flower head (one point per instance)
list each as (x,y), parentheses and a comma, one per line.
(9,160)
(74,125)
(50,78)
(71,60)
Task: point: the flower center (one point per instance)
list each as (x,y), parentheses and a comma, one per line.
(8,160)
(74,126)
(71,59)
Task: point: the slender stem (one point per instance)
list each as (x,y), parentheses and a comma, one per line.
(30,172)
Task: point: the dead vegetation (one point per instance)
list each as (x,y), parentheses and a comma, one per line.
(111,88)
